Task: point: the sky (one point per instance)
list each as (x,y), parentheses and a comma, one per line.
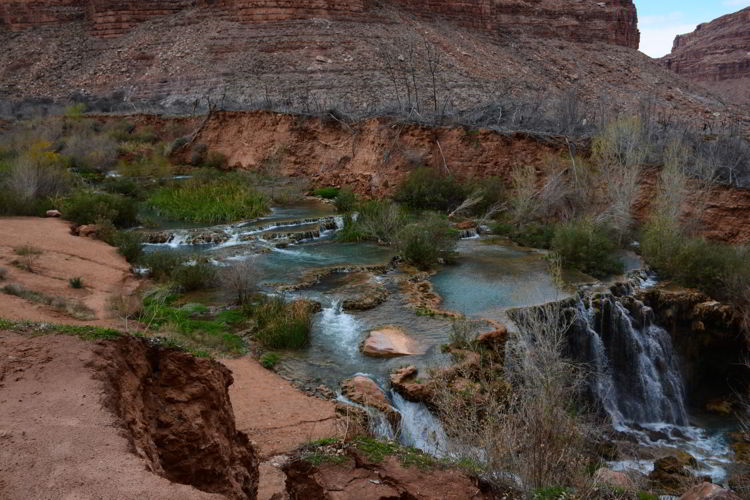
(661,20)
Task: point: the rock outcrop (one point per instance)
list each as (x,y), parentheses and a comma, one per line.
(365,391)
(390,341)
(717,55)
(612,21)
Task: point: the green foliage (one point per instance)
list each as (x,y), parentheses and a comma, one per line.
(280,324)
(329,193)
(428,189)
(346,200)
(425,243)
(75,111)
(533,234)
(188,324)
(643,495)
(196,276)
(123,186)
(210,201)
(154,165)
(75,309)
(588,247)
(214,159)
(377,451)
(129,244)
(720,270)
(76,283)
(89,207)
(269,360)
(161,264)
(378,220)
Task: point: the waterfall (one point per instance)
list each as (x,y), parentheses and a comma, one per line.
(635,372)
(419,427)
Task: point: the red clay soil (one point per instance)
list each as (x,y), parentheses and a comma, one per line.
(63,256)
(57,439)
(277,417)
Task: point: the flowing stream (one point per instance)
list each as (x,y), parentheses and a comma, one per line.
(635,374)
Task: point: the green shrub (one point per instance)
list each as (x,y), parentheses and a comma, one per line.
(280,324)
(533,234)
(329,193)
(129,244)
(428,189)
(154,165)
(88,207)
(122,185)
(191,277)
(378,220)
(269,360)
(720,270)
(586,246)
(210,201)
(553,493)
(425,243)
(76,283)
(91,152)
(351,231)
(346,200)
(214,159)
(161,264)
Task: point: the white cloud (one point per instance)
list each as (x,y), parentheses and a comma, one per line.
(737,3)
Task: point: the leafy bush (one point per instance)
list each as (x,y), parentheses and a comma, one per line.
(329,193)
(191,277)
(378,220)
(720,270)
(428,189)
(281,325)
(161,264)
(425,243)
(89,207)
(210,201)
(122,185)
(129,243)
(269,360)
(76,283)
(534,234)
(588,247)
(346,200)
(153,165)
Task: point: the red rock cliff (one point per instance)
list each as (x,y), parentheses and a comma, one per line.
(610,21)
(716,54)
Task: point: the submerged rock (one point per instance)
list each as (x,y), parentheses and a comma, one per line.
(670,475)
(390,342)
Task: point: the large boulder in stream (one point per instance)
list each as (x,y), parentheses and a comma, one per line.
(708,491)
(364,391)
(405,382)
(390,341)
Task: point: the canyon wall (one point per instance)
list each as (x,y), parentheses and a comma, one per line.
(716,54)
(611,21)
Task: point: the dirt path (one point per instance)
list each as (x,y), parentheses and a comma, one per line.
(278,418)
(63,256)
(56,438)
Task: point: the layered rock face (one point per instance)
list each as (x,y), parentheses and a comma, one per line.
(613,21)
(716,54)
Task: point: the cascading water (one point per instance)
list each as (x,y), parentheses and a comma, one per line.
(635,372)
(636,379)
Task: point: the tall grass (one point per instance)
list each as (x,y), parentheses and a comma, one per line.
(280,324)
(210,201)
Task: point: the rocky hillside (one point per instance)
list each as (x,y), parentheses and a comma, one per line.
(432,56)
(717,55)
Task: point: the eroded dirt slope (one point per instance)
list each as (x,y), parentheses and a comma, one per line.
(57,439)
(61,257)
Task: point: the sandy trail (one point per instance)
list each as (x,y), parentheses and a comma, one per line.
(278,418)
(63,256)
(57,441)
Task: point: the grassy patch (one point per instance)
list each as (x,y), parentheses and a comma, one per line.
(280,324)
(269,360)
(588,247)
(75,309)
(429,189)
(88,207)
(210,201)
(193,326)
(377,451)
